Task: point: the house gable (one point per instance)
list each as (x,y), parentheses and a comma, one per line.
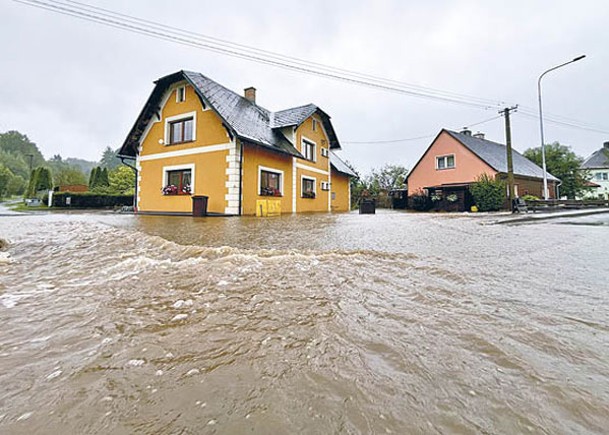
(468,166)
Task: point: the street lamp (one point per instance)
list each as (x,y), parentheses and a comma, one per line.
(543,147)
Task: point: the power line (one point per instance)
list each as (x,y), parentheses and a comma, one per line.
(415,138)
(565,124)
(162,32)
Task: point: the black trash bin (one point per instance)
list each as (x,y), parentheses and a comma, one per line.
(367,206)
(199,205)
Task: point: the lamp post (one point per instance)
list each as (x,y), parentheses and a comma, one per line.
(543,147)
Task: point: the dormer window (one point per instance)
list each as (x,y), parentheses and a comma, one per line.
(181,94)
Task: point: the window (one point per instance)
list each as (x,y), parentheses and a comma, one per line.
(179,182)
(314,125)
(324,152)
(181,94)
(325,185)
(270,183)
(602,176)
(445,162)
(181,131)
(308,150)
(308,187)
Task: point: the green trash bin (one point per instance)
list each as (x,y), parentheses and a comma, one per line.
(199,205)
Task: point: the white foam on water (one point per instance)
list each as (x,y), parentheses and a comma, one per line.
(9,301)
(192,372)
(136,362)
(25,416)
(5,258)
(54,374)
(179,317)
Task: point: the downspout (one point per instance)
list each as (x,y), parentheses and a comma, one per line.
(558,190)
(241,179)
(134,170)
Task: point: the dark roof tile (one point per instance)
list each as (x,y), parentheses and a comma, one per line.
(495,155)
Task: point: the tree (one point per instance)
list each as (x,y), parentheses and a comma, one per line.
(122,180)
(104,181)
(563,164)
(5,177)
(40,180)
(93,177)
(389,177)
(489,194)
(69,175)
(110,159)
(19,145)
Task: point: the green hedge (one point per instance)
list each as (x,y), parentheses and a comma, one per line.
(91,200)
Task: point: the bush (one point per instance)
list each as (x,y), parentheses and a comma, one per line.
(419,201)
(91,200)
(530,198)
(489,194)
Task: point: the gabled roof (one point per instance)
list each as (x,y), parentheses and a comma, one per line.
(340,166)
(247,120)
(598,160)
(495,155)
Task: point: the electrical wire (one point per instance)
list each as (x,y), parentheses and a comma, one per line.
(160,31)
(415,138)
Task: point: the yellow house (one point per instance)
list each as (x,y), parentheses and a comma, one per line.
(195,137)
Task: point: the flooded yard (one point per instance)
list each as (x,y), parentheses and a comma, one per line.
(387,323)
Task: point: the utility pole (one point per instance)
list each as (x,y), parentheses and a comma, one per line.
(508,143)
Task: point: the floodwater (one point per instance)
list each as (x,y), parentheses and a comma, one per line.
(389,323)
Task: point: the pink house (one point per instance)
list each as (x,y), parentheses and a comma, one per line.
(454,160)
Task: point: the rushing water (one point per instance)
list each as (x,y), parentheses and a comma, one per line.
(392,323)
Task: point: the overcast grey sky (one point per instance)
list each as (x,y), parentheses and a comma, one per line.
(75,87)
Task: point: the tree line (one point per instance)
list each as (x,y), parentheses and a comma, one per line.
(25,171)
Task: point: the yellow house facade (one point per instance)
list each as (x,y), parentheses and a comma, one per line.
(195,137)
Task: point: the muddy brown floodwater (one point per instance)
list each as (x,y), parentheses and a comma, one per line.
(392,323)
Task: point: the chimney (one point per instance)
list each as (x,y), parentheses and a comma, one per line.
(466,131)
(250,94)
(479,135)
(606,145)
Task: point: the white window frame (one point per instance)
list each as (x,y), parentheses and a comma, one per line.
(267,169)
(324,152)
(445,158)
(180,117)
(183,90)
(167,169)
(306,177)
(311,142)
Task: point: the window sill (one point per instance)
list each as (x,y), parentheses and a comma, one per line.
(179,143)
(307,197)
(444,169)
(270,196)
(177,194)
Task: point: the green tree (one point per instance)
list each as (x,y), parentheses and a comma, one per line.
(40,180)
(44,180)
(93,178)
(19,145)
(389,177)
(104,181)
(5,177)
(122,180)
(564,164)
(110,159)
(68,175)
(489,194)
